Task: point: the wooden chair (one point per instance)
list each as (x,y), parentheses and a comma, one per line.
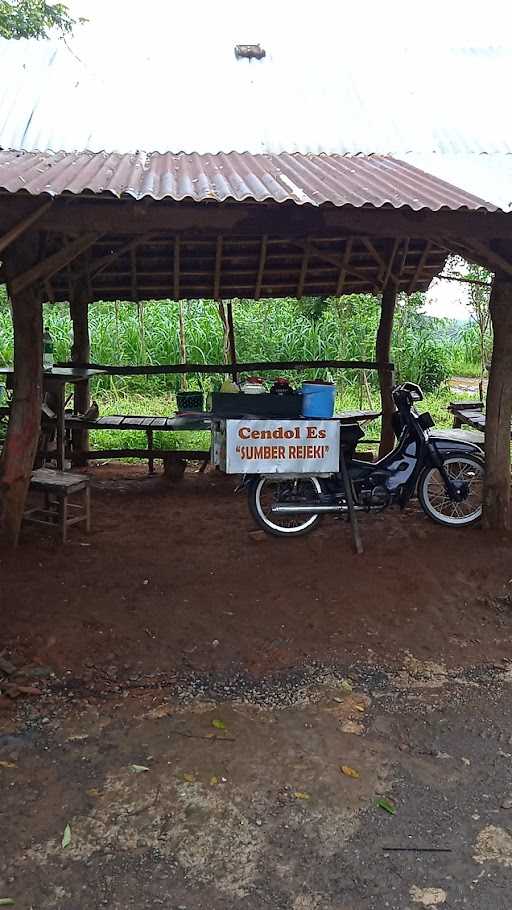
(57,511)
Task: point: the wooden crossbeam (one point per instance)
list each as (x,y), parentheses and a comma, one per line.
(333,258)
(15,232)
(303,269)
(176,270)
(343,268)
(48,267)
(218,266)
(261,266)
(419,267)
(100,265)
(403,259)
(381,262)
(388,274)
(486,256)
(133,273)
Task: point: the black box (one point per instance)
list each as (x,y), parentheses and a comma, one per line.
(240,404)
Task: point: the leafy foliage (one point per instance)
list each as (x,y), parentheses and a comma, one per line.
(34,18)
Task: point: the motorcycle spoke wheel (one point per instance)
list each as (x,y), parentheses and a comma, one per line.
(436,501)
(269,491)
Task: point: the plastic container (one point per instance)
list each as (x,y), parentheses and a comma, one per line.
(253,386)
(189,401)
(318,399)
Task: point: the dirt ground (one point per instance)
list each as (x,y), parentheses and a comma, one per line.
(173,577)
(194,717)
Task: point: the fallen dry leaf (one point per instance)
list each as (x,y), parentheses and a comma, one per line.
(352,726)
(214,780)
(92,792)
(218,724)
(349,772)
(299,794)
(139,769)
(427,897)
(188,778)
(7,764)
(346,685)
(66,837)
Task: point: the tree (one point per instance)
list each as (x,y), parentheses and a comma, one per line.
(34,18)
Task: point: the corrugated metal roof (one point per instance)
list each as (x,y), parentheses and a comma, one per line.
(303,179)
(304,96)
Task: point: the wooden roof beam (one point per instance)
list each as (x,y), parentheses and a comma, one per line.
(44,270)
(333,258)
(303,269)
(261,266)
(19,229)
(347,252)
(218,268)
(100,265)
(176,269)
(419,267)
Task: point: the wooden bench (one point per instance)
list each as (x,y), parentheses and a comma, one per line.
(57,488)
(148,425)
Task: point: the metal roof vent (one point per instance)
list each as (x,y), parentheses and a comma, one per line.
(249,52)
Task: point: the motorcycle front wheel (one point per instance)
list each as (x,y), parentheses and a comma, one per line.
(264,492)
(434,498)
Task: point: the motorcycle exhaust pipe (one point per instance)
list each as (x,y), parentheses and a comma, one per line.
(290,508)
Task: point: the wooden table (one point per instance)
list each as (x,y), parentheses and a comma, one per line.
(54,384)
(469,412)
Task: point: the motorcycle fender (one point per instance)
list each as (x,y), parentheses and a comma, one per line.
(447,447)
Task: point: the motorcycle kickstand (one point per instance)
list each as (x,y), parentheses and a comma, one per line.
(354,524)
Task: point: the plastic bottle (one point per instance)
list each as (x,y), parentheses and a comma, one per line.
(47,351)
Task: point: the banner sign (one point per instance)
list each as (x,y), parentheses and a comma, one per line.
(282,446)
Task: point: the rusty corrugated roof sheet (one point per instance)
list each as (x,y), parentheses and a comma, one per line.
(372,180)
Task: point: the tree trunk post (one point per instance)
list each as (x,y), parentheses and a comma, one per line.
(382,355)
(496,498)
(80,353)
(25,417)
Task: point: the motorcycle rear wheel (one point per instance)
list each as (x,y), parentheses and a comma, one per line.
(264,491)
(436,503)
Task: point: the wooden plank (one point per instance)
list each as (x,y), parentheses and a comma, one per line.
(131,217)
(159,423)
(148,421)
(246,367)
(42,271)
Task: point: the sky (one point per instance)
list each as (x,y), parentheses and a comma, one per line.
(122,38)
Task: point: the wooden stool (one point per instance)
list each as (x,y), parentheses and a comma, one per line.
(58,487)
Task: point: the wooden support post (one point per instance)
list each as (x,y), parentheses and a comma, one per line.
(183,344)
(231,341)
(25,417)
(496,499)
(80,353)
(382,355)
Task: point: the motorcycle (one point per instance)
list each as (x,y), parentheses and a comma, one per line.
(445,472)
